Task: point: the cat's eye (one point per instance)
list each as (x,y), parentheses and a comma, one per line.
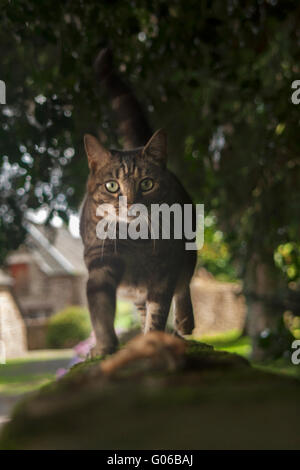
(112,186)
(146,184)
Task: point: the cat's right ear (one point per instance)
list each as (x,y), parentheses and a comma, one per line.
(156,147)
(96,153)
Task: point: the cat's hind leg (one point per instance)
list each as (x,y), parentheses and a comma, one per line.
(141,309)
(183,308)
(183,311)
(158,304)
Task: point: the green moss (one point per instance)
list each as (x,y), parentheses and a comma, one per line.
(214,400)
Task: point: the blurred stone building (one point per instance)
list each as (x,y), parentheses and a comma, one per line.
(218,306)
(48,274)
(13,338)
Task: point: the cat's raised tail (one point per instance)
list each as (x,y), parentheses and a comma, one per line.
(133,125)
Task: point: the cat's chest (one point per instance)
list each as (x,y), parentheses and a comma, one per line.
(150,263)
(138,268)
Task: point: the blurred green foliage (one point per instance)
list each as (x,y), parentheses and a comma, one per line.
(126,319)
(231,341)
(215,254)
(287,258)
(68,327)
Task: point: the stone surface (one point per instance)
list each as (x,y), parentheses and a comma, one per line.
(211,400)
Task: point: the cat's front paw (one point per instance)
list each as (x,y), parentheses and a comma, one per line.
(100,351)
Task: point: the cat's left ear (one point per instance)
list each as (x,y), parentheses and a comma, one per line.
(156,147)
(96,153)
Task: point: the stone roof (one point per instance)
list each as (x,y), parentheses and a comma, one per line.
(55,250)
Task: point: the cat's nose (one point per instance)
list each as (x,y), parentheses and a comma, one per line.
(130,201)
(130,194)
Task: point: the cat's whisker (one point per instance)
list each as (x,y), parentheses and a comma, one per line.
(102,249)
(115,244)
(151,231)
(103,241)
(115,240)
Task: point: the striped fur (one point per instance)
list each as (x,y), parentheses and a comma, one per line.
(158,272)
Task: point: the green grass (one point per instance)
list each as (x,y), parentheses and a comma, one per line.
(29,373)
(17,385)
(230,341)
(233,342)
(41,355)
(281,367)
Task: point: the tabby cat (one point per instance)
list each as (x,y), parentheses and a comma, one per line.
(156,271)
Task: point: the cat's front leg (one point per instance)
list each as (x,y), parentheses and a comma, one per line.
(158,305)
(104,277)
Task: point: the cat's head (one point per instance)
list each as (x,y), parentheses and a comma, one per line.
(138,174)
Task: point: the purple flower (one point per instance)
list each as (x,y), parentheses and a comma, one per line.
(75,360)
(60,373)
(83,348)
